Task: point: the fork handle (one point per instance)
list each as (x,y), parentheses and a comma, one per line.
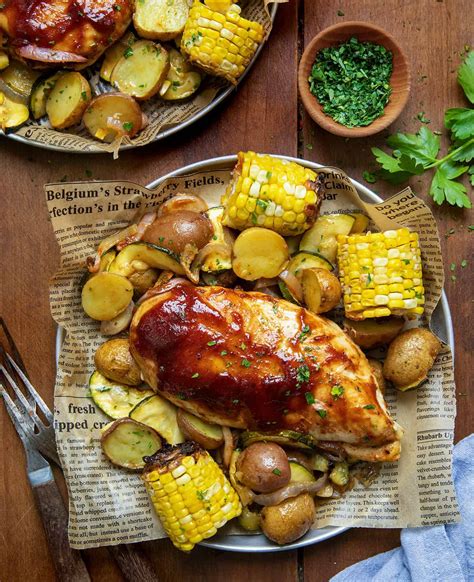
(67,562)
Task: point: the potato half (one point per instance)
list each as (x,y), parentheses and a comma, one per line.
(111,115)
(142,69)
(182,80)
(259,252)
(68,100)
(114,361)
(370,333)
(289,520)
(106,295)
(209,436)
(321,290)
(160,19)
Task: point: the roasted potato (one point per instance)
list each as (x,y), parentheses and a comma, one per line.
(249,520)
(142,281)
(182,80)
(289,520)
(263,467)
(118,323)
(377,369)
(179,202)
(174,231)
(125,442)
(105,295)
(160,19)
(209,436)
(321,290)
(410,357)
(370,333)
(259,252)
(114,53)
(12,114)
(114,361)
(111,115)
(68,100)
(142,69)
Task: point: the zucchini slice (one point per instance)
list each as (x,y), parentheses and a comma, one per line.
(116,400)
(150,254)
(20,78)
(161,415)
(106,260)
(40,93)
(321,238)
(125,442)
(288,438)
(308,260)
(12,114)
(286,293)
(300,474)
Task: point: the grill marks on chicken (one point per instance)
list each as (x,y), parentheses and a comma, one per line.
(249,360)
(64,32)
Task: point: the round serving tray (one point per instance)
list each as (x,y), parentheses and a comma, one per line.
(441,324)
(220,96)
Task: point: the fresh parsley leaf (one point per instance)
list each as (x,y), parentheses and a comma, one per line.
(369,177)
(245,363)
(396,170)
(460,121)
(471,174)
(302,374)
(322,413)
(309,397)
(422,117)
(444,187)
(464,152)
(369,406)
(337,391)
(276,472)
(422,146)
(466,76)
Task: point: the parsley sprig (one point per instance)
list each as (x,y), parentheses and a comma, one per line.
(413,154)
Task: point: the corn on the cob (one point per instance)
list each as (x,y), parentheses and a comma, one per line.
(222,43)
(272,193)
(381,274)
(190,493)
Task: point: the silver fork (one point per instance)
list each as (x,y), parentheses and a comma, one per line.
(39,442)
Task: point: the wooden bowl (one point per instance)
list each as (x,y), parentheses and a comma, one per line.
(400,79)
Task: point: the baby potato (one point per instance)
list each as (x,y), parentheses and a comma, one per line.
(142,281)
(175,230)
(68,100)
(410,357)
(111,115)
(114,361)
(259,252)
(370,333)
(289,520)
(105,295)
(321,290)
(209,436)
(264,467)
(377,370)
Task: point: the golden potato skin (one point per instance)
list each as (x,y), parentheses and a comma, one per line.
(410,357)
(142,281)
(289,520)
(377,369)
(264,467)
(331,291)
(370,333)
(114,360)
(177,229)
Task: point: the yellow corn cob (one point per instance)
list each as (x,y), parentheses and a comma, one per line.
(272,193)
(380,273)
(222,43)
(190,493)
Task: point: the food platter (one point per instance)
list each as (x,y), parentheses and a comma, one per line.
(441,325)
(222,94)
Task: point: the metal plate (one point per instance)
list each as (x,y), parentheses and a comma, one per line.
(441,324)
(221,95)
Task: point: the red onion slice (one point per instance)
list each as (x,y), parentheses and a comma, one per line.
(291,490)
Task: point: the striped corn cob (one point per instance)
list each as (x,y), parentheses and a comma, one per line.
(381,274)
(273,193)
(222,43)
(190,493)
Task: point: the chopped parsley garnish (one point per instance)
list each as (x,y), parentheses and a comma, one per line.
(352,81)
(262,203)
(304,332)
(309,398)
(223,353)
(243,346)
(117,8)
(276,472)
(128,126)
(369,177)
(128,52)
(369,406)
(211,343)
(196,375)
(322,413)
(245,363)
(463,263)
(181,395)
(337,391)
(84,95)
(302,375)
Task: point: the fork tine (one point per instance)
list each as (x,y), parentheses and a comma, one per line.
(12,344)
(21,397)
(33,392)
(15,416)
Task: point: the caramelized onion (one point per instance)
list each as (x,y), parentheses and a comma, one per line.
(291,490)
(162,288)
(228,445)
(294,286)
(93,263)
(48,55)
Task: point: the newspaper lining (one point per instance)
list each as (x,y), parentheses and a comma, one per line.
(109,505)
(161,114)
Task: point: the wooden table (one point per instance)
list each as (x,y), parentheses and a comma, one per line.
(263,115)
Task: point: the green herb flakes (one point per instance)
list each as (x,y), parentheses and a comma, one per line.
(322,413)
(309,397)
(245,363)
(276,472)
(352,81)
(302,375)
(369,406)
(304,333)
(128,126)
(211,343)
(369,177)
(337,391)
(196,375)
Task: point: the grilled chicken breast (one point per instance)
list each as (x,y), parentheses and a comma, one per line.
(250,361)
(63,32)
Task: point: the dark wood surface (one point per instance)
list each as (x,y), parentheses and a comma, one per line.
(262,115)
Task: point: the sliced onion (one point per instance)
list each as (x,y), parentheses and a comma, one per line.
(93,263)
(187,260)
(291,490)
(47,55)
(180,202)
(263,282)
(160,288)
(228,445)
(333,451)
(294,286)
